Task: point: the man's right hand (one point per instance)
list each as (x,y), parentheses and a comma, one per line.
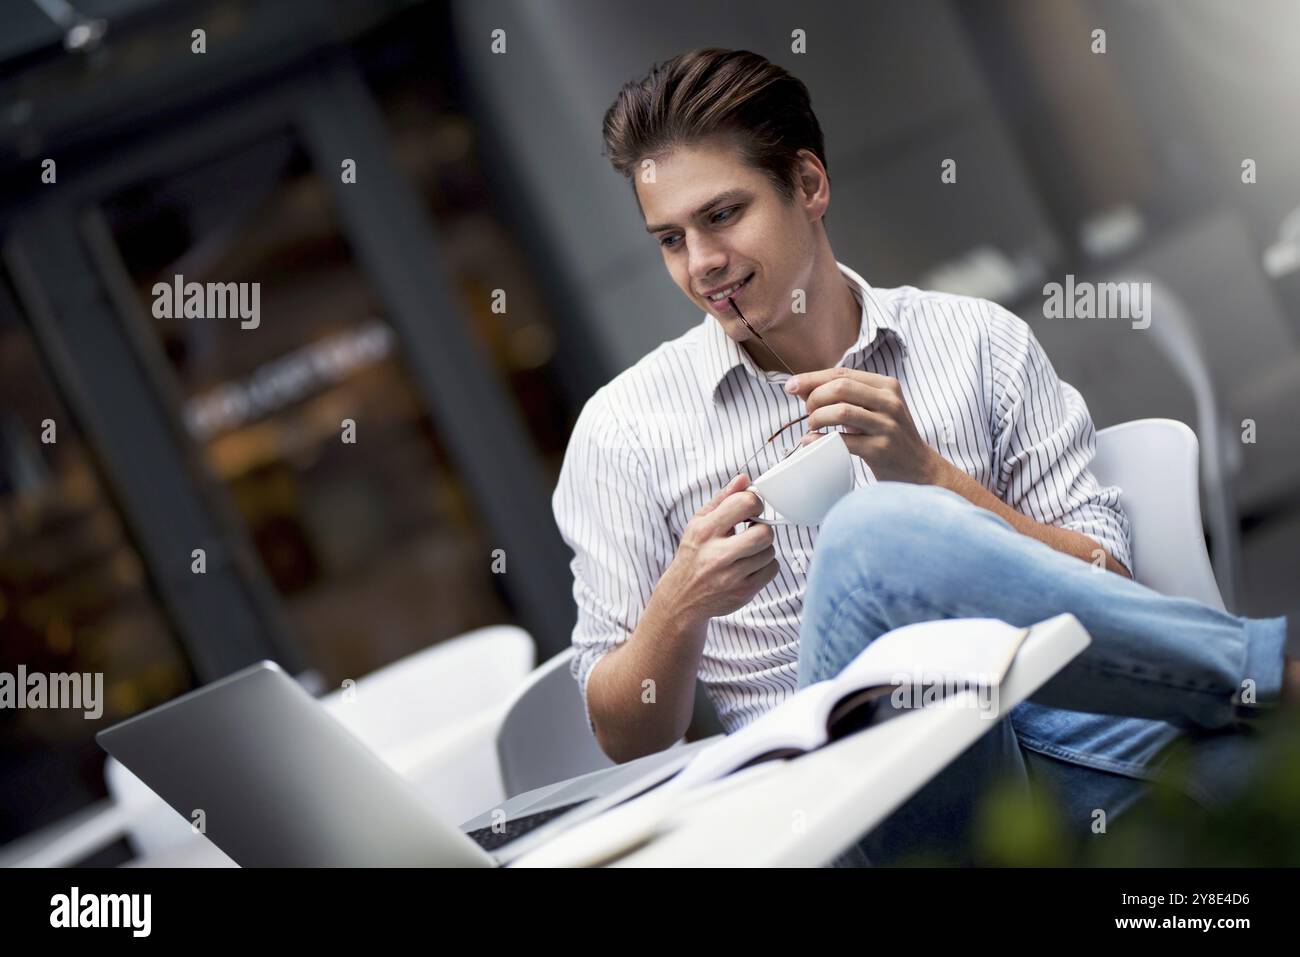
(716,570)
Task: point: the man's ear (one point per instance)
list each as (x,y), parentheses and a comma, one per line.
(814,185)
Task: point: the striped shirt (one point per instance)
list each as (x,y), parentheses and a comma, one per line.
(661,439)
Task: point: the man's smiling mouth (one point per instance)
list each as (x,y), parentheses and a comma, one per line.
(720,297)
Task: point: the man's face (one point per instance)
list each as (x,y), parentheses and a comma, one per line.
(719,222)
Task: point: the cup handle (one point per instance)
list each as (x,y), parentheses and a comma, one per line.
(766,521)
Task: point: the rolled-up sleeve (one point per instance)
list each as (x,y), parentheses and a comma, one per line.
(621,542)
(1044,441)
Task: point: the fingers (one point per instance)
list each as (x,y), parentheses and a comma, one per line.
(764,574)
(757,562)
(754,539)
(849,416)
(867,390)
(850,392)
(806,382)
(736,508)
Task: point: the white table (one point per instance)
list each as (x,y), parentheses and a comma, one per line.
(806,811)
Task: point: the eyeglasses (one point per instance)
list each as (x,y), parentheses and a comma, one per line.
(771,455)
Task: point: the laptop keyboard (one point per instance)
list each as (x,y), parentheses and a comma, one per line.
(490,840)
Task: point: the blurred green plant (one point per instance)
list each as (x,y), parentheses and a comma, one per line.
(1258,827)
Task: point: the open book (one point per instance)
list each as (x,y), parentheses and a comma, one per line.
(919,665)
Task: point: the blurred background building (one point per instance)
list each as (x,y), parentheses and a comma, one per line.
(481,171)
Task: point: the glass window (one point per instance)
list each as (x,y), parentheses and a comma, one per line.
(75,599)
(366,528)
(436,147)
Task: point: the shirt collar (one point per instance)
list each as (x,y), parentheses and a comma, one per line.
(722,354)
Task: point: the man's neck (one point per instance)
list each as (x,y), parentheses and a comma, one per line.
(818,338)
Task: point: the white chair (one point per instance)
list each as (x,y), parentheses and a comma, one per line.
(544,736)
(1175,335)
(404,709)
(1108,365)
(1155,462)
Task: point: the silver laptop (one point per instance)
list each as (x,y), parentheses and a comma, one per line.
(281,783)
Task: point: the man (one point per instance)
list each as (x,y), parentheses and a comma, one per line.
(971,458)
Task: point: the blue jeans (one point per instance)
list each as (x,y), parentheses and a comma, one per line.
(1158,668)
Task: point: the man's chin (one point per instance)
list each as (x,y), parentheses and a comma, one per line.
(736,328)
(761,321)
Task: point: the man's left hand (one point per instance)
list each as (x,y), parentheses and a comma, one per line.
(877,425)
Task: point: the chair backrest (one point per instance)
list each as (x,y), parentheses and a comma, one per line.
(431,690)
(1177,334)
(544,737)
(1156,464)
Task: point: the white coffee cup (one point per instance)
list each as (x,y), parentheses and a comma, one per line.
(802,487)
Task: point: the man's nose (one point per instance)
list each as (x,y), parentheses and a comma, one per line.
(707,259)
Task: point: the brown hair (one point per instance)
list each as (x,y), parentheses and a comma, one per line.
(707,92)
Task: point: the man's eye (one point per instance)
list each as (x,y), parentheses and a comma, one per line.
(717,217)
(664,242)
